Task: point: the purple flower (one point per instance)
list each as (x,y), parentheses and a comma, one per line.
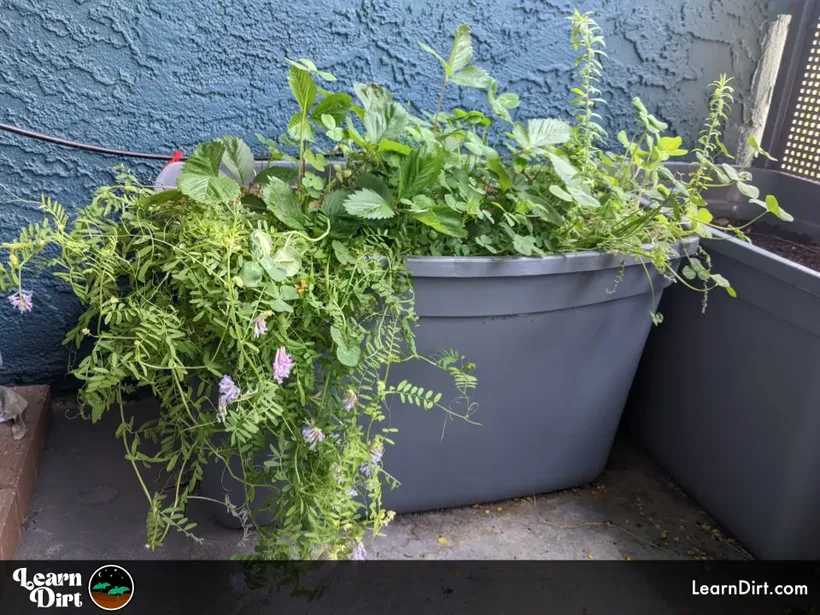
(228,392)
(259,326)
(358,553)
(376,452)
(21,300)
(350,400)
(312,435)
(282,365)
(228,389)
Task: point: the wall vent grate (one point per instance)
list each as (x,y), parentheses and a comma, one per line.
(801,155)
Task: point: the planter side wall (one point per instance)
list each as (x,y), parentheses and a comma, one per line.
(552,383)
(727,402)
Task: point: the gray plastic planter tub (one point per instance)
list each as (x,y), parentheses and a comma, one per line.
(555,351)
(728,402)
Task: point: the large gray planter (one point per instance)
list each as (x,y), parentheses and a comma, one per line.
(728,402)
(556,342)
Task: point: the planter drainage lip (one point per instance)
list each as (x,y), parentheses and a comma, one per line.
(766,262)
(501,267)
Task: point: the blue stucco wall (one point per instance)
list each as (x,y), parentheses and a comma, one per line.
(153,75)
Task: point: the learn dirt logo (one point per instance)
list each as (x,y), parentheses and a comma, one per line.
(111,587)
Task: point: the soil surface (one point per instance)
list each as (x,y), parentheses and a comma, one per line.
(796,247)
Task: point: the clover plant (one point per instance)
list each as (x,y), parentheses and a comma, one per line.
(269,305)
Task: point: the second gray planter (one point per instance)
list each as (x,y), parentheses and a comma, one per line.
(728,402)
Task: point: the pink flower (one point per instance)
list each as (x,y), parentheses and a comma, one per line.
(259,326)
(350,400)
(312,435)
(282,365)
(21,300)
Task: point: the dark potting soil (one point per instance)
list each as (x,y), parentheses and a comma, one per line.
(795,247)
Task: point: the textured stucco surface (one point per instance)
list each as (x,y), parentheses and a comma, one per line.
(151,75)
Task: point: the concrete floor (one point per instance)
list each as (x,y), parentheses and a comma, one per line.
(87,492)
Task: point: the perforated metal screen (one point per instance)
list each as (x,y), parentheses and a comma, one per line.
(801,155)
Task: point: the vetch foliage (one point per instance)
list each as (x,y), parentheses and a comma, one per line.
(268,306)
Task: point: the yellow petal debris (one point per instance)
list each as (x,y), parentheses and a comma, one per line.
(589,556)
(442,540)
(499,509)
(676,539)
(628,558)
(487,512)
(664,535)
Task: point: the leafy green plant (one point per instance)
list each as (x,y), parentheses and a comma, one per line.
(269,305)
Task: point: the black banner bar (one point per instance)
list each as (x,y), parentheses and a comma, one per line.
(388,587)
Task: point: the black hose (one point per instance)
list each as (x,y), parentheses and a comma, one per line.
(83,146)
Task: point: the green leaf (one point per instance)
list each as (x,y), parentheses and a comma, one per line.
(368,204)
(303,87)
(730,172)
(287,174)
(376,184)
(472,77)
(299,129)
(160,197)
(462,50)
(564,169)
(497,167)
(200,177)
(288,293)
(343,254)
(336,105)
(348,357)
(499,109)
(748,190)
(524,245)
(704,215)
(541,132)
(546,211)
(261,244)
(720,280)
(508,100)
(277,305)
(670,144)
(288,259)
(689,273)
(386,145)
(283,203)
(561,193)
(420,170)
(774,207)
(276,273)
(443,219)
(238,159)
(251,274)
(337,336)
(582,197)
(435,54)
(385,120)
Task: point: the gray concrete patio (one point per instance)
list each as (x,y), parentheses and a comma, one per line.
(87,493)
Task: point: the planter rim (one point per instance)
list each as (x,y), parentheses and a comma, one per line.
(767,262)
(513,266)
